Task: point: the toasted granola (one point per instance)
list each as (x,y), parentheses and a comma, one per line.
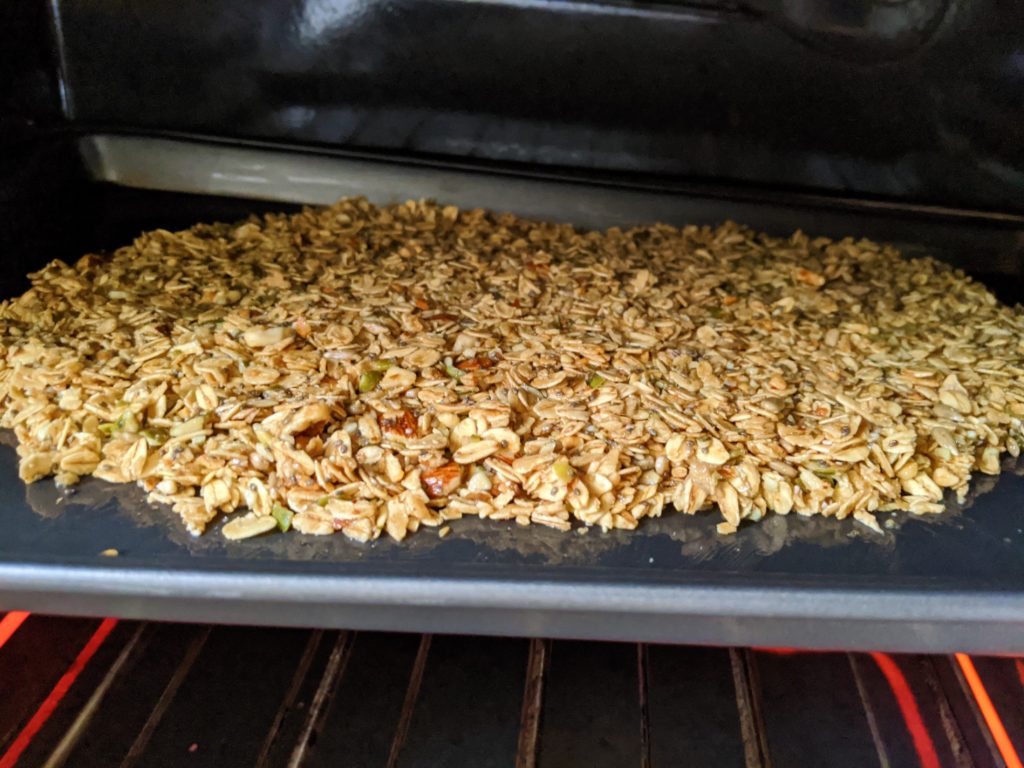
(373,369)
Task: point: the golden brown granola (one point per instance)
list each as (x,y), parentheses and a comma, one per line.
(365,369)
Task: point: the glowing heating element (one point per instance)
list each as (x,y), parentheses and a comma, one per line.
(10,758)
(926,754)
(988,711)
(9,625)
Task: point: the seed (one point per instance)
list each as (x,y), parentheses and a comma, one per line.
(283,516)
(127,422)
(154,436)
(368,380)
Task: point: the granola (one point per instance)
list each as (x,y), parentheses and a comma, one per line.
(373,369)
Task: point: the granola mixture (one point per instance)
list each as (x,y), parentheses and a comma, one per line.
(367,369)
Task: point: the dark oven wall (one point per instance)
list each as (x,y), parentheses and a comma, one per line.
(34,172)
(912,100)
(49,207)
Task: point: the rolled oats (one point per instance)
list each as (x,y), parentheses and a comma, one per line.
(368,370)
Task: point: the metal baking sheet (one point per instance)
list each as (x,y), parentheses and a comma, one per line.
(940,583)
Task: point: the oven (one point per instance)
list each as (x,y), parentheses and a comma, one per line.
(499,645)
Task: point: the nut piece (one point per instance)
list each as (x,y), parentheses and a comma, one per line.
(442,481)
(807,277)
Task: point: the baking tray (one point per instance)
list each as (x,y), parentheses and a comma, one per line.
(953,581)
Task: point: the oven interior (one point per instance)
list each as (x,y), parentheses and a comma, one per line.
(886,120)
(104,693)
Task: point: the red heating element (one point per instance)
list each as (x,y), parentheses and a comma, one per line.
(21,742)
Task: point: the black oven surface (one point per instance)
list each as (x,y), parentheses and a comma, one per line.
(937,583)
